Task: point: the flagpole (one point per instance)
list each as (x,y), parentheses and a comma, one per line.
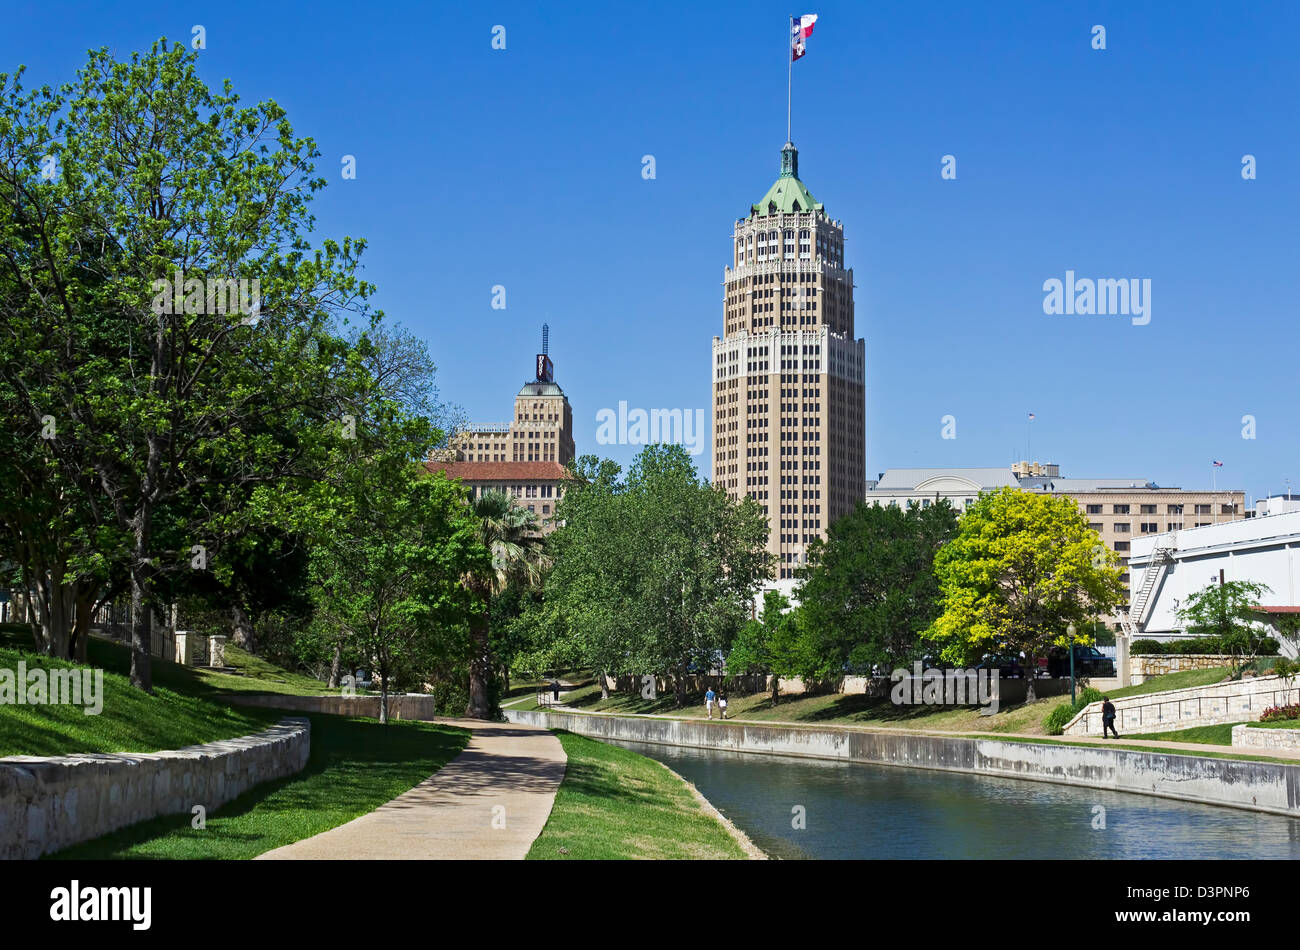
(789,74)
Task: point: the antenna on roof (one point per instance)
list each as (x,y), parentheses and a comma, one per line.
(546,336)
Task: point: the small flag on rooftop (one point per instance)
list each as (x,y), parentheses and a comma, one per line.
(1031,417)
(801,28)
(1218,465)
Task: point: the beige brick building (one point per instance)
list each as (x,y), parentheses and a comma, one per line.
(541,430)
(1118,509)
(526,457)
(788,392)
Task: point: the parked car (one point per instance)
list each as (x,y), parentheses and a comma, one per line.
(1007,665)
(1088,661)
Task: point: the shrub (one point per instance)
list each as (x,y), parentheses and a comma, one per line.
(1054,723)
(1278,713)
(1085,696)
(1145,647)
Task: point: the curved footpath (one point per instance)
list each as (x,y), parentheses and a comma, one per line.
(490,802)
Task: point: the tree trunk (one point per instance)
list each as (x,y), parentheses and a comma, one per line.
(604,685)
(336,666)
(85,600)
(681,687)
(1031,674)
(141,626)
(383,699)
(241,628)
(776,689)
(480,667)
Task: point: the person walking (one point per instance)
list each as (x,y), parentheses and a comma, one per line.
(709,697)
(722,704)
(1107,717)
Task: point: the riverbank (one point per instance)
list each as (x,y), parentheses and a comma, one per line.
(615,804)
(1257,784)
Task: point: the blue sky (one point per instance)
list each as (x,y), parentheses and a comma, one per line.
(522,167)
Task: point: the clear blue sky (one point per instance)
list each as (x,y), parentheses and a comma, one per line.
(522,167)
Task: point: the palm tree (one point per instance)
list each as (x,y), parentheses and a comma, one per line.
(512,536)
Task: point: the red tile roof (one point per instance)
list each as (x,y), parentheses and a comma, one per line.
(500,471)
(1277,610)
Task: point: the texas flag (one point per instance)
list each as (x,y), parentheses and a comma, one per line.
(801,28)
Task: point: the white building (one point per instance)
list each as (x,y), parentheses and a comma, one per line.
(1168,568)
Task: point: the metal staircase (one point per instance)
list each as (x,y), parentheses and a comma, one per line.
(1133,619)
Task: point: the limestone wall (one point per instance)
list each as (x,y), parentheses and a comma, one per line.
(400,705)
(1185,708)
(48,803)
(1258,786)
(1147,665)
(1252,737)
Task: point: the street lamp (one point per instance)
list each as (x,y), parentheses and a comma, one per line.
(1069,632)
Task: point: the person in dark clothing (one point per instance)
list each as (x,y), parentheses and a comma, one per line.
(1107,717)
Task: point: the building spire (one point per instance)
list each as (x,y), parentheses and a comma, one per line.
(789,161)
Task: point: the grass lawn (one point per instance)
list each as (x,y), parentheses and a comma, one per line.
(1277,724)
(1220,734)
(1173,681)
(356,765)
(130,721)
(615,804)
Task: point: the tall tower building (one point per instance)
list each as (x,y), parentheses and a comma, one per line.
(788,375)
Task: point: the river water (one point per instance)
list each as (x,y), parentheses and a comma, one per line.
(874,811)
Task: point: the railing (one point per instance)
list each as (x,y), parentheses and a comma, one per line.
(1217,705)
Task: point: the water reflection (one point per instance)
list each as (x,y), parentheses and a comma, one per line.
(872,811)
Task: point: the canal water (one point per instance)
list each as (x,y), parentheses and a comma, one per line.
(874,811)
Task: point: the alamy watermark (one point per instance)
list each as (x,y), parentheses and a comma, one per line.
(1127,297)
(208,295)
(936,687)
(641,427)
(61,687)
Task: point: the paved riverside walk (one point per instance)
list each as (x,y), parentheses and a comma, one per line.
(490,802)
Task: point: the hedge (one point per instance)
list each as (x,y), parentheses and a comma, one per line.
(1264,646)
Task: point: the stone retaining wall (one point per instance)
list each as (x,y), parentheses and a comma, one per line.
(1258,786)
(48,803)
(1252,737)
(400,706)
(1146,665)
(1185,708)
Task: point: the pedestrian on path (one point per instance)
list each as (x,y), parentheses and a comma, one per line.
(1107,717)
(709,697)
(722,704)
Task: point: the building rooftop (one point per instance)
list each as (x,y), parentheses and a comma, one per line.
(500,471)
(788,195)
(944,479)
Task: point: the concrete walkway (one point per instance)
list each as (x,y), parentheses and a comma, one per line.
(490,802)
(1186,748)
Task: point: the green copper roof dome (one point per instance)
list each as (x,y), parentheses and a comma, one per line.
(788,195)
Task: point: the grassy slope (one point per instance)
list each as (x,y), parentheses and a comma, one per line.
(131,720)
(615,804)
(356,765)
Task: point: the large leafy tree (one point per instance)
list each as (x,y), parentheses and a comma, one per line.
(509,537)
(1021,569)
(777,643)
(389,576)
(869,592)
(700,560)
(129,195)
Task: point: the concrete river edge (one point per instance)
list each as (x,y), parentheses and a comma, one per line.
(1272,787)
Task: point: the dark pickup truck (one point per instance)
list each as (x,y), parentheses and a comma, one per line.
(1088,661)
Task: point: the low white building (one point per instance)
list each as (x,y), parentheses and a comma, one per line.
(1166,569)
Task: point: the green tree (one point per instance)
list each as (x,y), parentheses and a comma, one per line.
(1226,610)
(776,644)
(510,538)
(869,592)
(1020,570)
(390,575)
(116,295)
